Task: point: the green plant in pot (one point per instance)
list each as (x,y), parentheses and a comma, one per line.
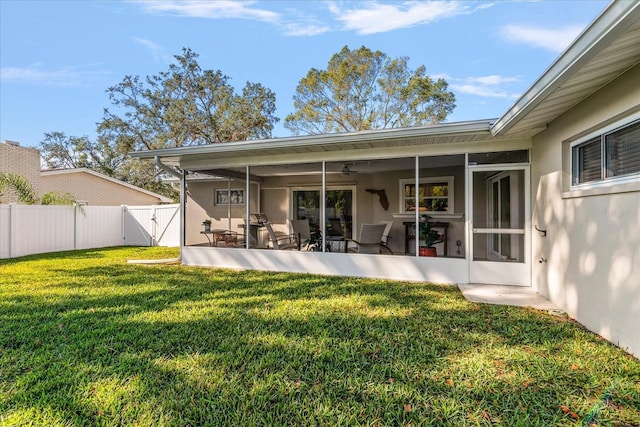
(207,224)
(430,236)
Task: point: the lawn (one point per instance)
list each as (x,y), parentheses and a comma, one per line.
(87,339)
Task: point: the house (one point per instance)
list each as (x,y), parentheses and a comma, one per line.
(546,196)
(86,186)
(93,188)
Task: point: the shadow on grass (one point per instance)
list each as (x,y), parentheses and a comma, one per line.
(169,345)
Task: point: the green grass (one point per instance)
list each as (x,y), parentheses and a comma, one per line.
(87,339)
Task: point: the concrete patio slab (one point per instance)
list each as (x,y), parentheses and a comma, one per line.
(507,295)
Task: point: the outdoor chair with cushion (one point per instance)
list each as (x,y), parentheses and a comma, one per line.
(370,239)
(302,234)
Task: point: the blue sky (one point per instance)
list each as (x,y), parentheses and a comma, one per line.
(57,58)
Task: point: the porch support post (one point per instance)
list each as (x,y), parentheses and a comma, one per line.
(323,198)
(417,207)
(228,203)
(247,207)
(183,210)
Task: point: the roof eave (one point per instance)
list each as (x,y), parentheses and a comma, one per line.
(614,20)
(443,129)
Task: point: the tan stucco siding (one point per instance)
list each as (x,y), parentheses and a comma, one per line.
(23,161)
(592,248)
(94,190)
(201,205)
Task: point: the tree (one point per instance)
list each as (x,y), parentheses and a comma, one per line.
(185,106)
(59,151)
(363,90)
(23,190)
(26,194)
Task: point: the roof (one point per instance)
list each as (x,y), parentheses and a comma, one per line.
(443,133)
(607,48)
(107,178)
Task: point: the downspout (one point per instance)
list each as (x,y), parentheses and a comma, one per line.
(182,176)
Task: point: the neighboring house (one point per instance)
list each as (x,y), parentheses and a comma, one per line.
(92,188)
(23,161)
(547,196)
(86,186)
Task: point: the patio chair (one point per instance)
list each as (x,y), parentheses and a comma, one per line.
(384,241)
(280,241)
(302,233)
(370,239)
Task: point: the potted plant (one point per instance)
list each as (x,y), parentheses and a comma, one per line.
(430,236)
(207,225)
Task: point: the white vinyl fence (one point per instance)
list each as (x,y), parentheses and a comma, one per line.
(30,229)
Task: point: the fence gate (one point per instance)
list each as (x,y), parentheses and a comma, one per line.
(152,225)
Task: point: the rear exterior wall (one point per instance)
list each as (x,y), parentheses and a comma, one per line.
(589,262)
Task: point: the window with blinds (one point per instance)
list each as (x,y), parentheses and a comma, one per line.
(622,150)
(609,155)
(587,159)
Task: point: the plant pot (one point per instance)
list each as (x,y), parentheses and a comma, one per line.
(425,251)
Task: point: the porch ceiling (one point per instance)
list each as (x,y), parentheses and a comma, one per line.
(606,49)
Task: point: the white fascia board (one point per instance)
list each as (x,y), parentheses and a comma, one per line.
(322,140)
(612,22)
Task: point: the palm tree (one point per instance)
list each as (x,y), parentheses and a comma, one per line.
(21,187)
(27,194)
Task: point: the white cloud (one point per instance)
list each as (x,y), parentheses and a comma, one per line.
(301,29)
(64,76)
(493,86)
(377,17)
(292,25)
(553,39)
(219,9)
(155,49)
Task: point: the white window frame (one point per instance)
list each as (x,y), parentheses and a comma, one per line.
(601,134)
(222,191)
(450,193)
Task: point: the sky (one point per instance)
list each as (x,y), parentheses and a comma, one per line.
(58,58)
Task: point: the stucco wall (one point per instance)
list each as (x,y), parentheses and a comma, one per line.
(94,190)
(201,205)
(593,243)
(23,161)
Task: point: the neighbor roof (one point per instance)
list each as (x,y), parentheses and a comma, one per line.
(49,172)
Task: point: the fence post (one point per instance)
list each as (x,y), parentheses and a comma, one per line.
(11,229)
(75,227)
(122,224)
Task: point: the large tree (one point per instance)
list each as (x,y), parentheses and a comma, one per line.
(59,151)
(186,105)
(363,90)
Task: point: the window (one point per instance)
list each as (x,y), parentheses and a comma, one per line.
(608,155)
(433,195)
(237,197)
